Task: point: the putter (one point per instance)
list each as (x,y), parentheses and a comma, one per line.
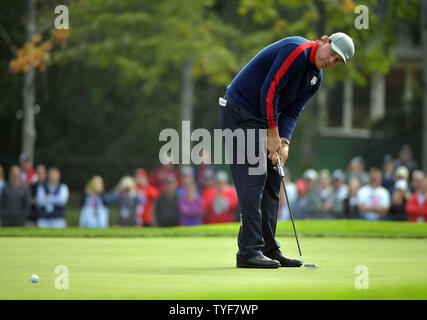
(282,175)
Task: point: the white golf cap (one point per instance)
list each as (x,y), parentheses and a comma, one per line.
(343,45)
(310,174)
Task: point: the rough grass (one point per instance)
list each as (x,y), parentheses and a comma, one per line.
(305,228)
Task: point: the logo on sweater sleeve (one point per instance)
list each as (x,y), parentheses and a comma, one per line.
(313,81)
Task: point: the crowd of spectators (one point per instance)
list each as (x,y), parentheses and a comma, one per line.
(395,192)
(203,195)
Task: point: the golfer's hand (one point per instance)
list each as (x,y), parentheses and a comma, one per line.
(274,144)
(284,152)
(276,148)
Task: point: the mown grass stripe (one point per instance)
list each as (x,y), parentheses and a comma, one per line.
(307,228)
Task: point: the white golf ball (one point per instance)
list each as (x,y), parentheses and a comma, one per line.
(34,278)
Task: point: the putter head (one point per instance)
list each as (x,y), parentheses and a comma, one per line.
(308,265)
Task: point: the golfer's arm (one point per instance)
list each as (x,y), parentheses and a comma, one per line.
(273,132)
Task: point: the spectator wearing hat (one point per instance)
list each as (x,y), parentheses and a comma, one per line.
(52,198)
(157,177)
(338,183)
(292,192)
(128,200)
(416,207)
(204,170)
(300,202)
(166,210)
(208,188)
(401,173)
(28,174)
(187,178)
(351,209)
(388,173)
(356,168)
(15,200)
(398,201)
(94,202)
(221,205)
(373,200)
(311,199)
(147,192)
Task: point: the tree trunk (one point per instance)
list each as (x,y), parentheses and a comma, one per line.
(377,107)
(187,90)
(187,93)
(28,90)
(423,5)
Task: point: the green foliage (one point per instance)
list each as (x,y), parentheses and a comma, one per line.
(116,83)
(277,19)
(146,44)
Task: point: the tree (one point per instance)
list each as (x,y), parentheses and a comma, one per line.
(423,10)
(275,19)
(33,55)
(156,38)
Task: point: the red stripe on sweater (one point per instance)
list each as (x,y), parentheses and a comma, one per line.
(285,66)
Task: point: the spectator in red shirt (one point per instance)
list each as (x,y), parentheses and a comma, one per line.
(209,184)
(416,207)
(28,174)
(221,204)
(158,176)
(144,212)
(204,171)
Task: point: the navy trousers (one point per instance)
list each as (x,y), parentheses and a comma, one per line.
(258,194)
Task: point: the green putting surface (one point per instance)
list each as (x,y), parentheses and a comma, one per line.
(204,268)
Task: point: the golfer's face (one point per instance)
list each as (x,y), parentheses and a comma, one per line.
(327,57)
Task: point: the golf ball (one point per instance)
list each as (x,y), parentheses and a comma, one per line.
(34,278)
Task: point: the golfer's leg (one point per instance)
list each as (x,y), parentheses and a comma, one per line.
(269,208)
(249,191)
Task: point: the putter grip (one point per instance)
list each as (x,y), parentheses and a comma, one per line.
(279,167)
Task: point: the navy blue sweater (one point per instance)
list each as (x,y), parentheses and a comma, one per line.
(277,83)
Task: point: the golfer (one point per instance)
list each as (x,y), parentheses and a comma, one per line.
(269,93)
